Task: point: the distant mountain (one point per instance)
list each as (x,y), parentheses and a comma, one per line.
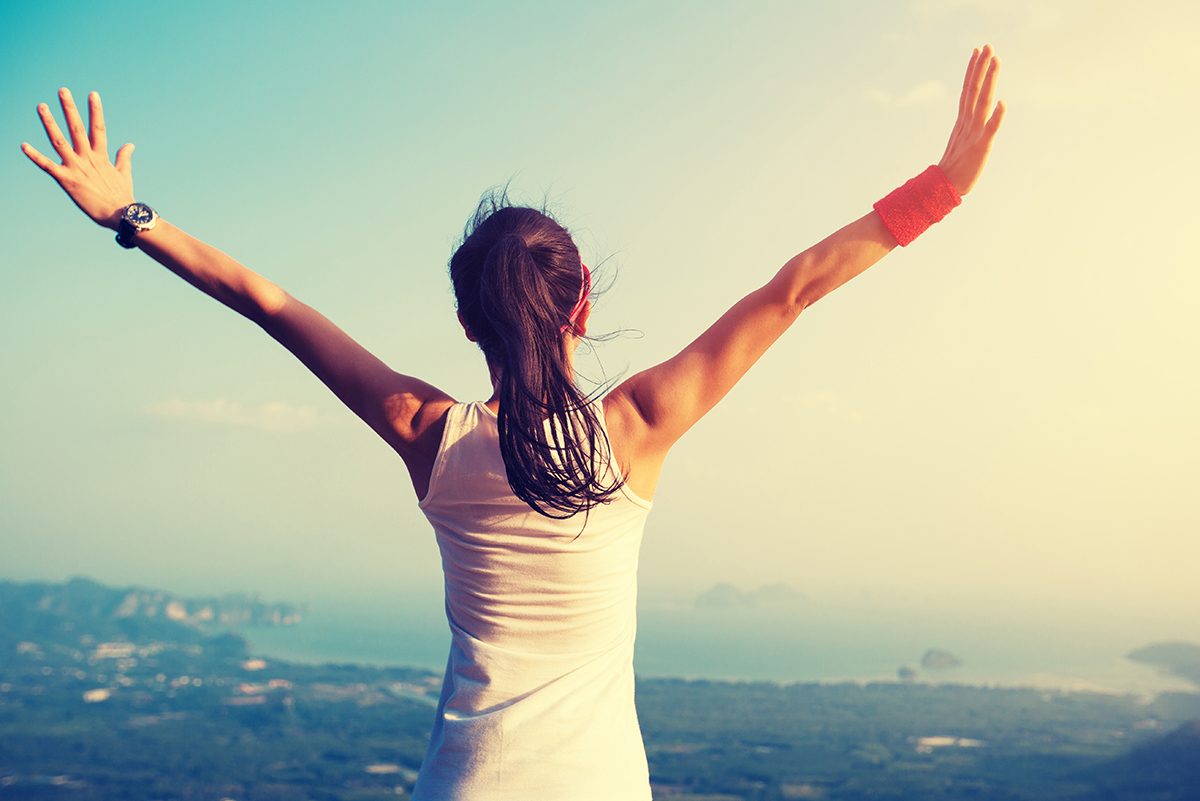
(1180,658)
(1166,768)
(729,596)
(36,610)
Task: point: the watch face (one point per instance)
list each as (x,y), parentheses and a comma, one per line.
(138,213)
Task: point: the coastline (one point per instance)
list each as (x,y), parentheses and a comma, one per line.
(393,645)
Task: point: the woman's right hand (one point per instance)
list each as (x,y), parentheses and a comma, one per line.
(971,140)
(98,187)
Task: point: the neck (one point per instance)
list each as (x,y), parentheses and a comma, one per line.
(494,374)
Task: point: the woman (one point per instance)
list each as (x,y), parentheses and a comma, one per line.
(538,495)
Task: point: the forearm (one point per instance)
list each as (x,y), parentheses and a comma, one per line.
(809,276)
(211,271)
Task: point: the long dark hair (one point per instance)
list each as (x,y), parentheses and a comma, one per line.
(517,276)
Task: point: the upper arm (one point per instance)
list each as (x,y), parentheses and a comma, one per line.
(387,401)
(671,397)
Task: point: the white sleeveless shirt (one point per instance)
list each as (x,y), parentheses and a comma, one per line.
(537,703)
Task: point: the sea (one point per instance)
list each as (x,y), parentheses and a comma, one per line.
(789,643)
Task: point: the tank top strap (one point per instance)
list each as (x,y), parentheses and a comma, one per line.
(461,419)
(608,456)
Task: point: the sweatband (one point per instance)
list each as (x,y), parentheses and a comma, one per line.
(908,210)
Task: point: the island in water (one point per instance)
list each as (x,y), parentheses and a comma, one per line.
(729,596)
(937,659)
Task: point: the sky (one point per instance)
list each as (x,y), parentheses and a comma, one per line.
(1001,415)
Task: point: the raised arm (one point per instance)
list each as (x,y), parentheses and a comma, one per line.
(657,406)
(387,401)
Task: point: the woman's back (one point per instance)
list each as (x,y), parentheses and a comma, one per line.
(538,695)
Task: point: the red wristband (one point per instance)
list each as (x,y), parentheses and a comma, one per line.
(909,209)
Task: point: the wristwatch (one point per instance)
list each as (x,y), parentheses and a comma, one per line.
(136,218)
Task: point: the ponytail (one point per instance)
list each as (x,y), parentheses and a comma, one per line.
(527,279)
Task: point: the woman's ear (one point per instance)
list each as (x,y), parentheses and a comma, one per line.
(466,330)
(582,320)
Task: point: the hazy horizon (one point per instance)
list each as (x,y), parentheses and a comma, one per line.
(999,418)
(422,604)
(797,639)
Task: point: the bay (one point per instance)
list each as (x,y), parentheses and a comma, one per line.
(798,643)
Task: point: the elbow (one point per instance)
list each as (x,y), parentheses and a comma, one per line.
(795,286)
(804,303)
(809,293)
(801,300)
(266,301)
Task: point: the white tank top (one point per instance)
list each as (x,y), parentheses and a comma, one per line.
(538,699)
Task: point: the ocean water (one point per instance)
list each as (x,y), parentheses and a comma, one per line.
(797,643)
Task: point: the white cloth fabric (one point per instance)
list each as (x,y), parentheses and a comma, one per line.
(537,703)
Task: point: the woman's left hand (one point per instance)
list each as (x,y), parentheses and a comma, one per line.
(98,187)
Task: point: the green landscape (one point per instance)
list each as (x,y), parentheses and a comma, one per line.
(133,694)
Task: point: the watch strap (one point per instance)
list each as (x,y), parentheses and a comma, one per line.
(126,234)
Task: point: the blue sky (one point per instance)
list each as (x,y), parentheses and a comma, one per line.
(1001,413)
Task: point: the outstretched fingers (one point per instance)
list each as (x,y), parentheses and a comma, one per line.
(123,155)
(975,84)
(74,122)
(51,169)
(963,109)
(97,186)
(984,104)
(993,124)
(96,120)
(57,140)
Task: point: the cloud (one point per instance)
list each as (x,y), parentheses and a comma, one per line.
(922,94)
(271,416)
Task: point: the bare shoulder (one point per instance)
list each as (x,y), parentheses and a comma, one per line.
(409,408)
(641,461)
(415,429)
(416,421)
